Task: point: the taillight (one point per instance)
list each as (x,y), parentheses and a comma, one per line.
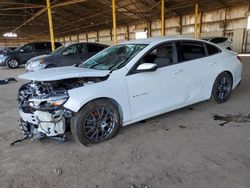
(238,57)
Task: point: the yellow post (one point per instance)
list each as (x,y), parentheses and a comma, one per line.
(196,32)
(114,20)
(52,39)
(162,17)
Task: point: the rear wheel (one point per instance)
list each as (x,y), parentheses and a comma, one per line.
(12,63)
(222,88)
(96,122)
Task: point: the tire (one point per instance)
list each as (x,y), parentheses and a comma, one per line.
(222,88)
(12,63)
(96,122)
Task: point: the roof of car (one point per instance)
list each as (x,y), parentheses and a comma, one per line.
(158,39)
(73,43)
(212,37)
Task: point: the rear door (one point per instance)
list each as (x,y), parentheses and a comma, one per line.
(196,73)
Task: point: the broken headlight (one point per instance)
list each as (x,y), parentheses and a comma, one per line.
(48,102)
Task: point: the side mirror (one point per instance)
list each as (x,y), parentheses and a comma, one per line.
(147,67)
(65,53)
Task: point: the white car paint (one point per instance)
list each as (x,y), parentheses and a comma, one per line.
(63,73)
(146,94)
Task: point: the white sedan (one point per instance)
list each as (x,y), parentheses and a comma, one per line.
(123,84)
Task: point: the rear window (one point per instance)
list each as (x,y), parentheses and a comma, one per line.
(218,40)
(57,45)
(191,50)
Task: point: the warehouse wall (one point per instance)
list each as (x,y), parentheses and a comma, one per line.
(231,22)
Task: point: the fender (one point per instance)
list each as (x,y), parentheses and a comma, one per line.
(78,97)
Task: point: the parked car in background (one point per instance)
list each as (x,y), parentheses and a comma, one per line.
(67,55)
(123,84)
(223,42)
(22,54)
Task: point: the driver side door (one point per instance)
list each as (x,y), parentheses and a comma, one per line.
(156,92)
(26,52)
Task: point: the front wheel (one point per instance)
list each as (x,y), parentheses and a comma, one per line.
(97,121)
(222,88)
(12,63)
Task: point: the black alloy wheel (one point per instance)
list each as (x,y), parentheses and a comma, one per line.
(222,88)
(97,121)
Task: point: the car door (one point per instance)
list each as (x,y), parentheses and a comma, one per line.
(195,63)
(71,55)
(26,52)
(152,93)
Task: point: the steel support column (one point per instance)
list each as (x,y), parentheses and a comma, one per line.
(162,17)
(52,38)
(196,29)
(114,20)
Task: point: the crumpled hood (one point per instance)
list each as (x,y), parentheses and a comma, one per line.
(61,73)
(38,57)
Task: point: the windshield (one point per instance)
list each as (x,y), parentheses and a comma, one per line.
(18,48)
(114,57)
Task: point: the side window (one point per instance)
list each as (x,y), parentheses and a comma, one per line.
(191,50)
(71,50)
(92,48)
(27,48)
(40,46)
(82,48)
(211,50)
(162,56)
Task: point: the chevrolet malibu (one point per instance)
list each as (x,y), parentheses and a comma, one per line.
(123,84)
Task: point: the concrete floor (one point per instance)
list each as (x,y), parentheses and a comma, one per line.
(185,148)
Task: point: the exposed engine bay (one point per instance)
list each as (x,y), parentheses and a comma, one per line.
(40,105)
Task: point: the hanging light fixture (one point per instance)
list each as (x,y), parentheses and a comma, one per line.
(10,35)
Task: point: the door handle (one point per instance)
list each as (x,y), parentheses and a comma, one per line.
(177,71)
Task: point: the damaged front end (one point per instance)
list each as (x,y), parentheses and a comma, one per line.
(40,105)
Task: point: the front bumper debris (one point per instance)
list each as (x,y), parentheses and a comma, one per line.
(39,118)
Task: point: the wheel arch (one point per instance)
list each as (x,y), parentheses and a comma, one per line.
(113,101)
(10,57)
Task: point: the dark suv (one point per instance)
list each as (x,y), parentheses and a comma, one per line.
(22,54)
